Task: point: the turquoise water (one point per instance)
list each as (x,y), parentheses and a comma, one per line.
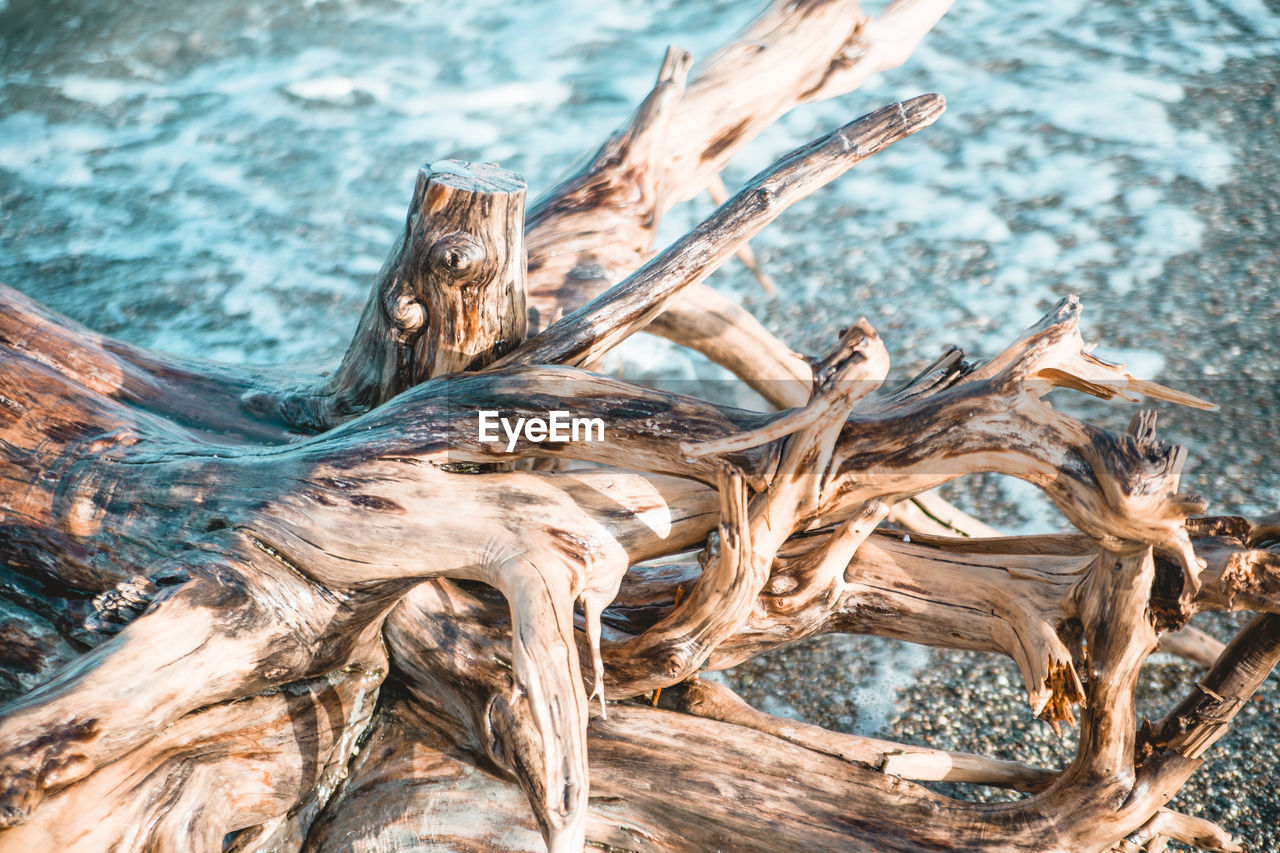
(223,183)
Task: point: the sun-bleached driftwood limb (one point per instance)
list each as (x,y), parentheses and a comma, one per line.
(224,579)
(1168,825)
(929,513)
(1013,595)
(709,699)
(752,530)
(1203,717)
(728,334)
(627,307)
(1192,644)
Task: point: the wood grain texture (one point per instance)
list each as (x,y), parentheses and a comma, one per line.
(266,610)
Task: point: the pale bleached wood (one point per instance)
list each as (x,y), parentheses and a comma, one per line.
(704,319)
(751,531)
(236,564)
(1192,644)
(928,512)
(709,699)
(1168,825)
(630,305)
(228,768)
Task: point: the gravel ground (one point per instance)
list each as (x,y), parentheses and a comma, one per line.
(975,703)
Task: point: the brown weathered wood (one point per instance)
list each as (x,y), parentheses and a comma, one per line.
(226,579)
(235,765)
(450,297)
(708,699)
(630,305)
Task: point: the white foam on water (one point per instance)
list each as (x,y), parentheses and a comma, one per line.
(1060,152)
(898,666)
(98,91)
(58,153)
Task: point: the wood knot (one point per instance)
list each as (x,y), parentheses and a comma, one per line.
(673,663)
(410,316)
(459,254)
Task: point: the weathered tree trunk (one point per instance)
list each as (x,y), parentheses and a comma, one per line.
(218,584)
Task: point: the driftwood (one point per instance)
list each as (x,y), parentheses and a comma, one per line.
(255,611)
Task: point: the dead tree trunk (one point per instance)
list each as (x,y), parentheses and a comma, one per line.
(221,583)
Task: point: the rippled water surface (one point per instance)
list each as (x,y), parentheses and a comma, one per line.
(221,179)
